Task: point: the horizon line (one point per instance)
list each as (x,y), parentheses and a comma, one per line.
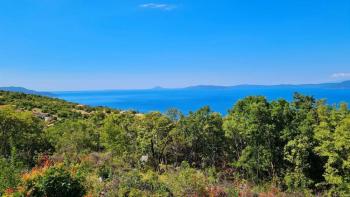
(174,88)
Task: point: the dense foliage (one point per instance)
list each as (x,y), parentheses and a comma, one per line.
(50,147)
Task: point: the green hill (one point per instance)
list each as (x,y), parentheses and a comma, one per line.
(50,147)
(26,91)
(48,108)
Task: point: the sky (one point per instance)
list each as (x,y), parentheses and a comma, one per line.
(137,44)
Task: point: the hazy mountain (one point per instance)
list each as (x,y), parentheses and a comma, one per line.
(158,88)
(339,85)
(26,91)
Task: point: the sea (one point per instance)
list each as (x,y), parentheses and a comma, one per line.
(188,100)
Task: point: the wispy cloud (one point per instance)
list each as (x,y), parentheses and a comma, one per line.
(158,6)
(341,75)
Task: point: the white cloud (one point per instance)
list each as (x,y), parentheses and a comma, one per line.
(159,6)
(340,75)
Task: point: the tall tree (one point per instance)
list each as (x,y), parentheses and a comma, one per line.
(201,136)
(252,137)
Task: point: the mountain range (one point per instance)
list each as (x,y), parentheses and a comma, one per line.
(338,85)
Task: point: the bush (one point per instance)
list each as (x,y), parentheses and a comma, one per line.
(76,136)
(9,175)
(186,181)
(135,184)
(52,182)
(23,132)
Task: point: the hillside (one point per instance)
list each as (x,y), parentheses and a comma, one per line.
(47,108)
(26,91)
(50,147)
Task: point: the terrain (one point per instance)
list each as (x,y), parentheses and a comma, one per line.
(50,147)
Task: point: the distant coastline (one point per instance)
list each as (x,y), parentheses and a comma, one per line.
(335,85)
(331,85)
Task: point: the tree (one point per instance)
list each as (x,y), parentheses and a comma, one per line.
(199,138)
(153,137)
(252,138)
(334,145)
(118,135)
(74,136)
(298,152)
(23,132)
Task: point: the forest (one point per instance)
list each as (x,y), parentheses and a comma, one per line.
(53,148)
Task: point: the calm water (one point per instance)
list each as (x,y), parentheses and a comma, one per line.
(186,100)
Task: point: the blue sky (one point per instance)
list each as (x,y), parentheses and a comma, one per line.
(127,44)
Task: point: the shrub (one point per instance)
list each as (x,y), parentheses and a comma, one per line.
(76,136)
(52,182)
(22,132)
(135,183)
(9,175)
(186,181)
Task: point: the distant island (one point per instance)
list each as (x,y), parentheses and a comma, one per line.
(338,85)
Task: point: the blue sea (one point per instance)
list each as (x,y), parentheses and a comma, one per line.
(186,100)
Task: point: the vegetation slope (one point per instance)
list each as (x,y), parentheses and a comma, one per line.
(49,147)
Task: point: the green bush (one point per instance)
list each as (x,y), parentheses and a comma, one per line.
(137,184)
(54,182)
(186,181)
(23,132)
(9,174)
(74,136)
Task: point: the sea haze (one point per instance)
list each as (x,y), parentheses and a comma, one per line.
(191,99)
